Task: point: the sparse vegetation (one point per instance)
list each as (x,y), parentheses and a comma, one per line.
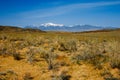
(85,56)
(8,75)
(16,56)
(27,76)
(69,45)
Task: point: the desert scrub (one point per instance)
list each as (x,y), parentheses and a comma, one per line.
(50,59)
(48,56)
(106,74)
(90,53)
(63,75)
(11,50)
(115,60)
(3,37)
(114,53)
(113,46)
(69,45)
(3,50)
(8,75)
(30,55)
(27,76)
(6,49)
(95,59)
(17,56)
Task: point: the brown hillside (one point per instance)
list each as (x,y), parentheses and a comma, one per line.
(17,29)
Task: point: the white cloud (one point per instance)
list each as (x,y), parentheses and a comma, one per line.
(42,13)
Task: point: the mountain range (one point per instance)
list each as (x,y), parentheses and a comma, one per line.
(61,27)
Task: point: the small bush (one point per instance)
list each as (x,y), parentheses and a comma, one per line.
(17,56)
(8,75)
(115,60)
(3,37)
(3,51)
(31,54)
(62,76)
(27,76)
(69,45)
(49,57)
(111,78)
(95,59)
(107,75)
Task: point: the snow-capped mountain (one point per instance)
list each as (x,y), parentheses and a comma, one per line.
(61,27)
(52,24)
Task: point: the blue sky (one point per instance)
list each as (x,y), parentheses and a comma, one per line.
(68,12)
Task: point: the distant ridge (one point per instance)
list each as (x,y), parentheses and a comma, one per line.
(61,27)
(98,31)
(18,29)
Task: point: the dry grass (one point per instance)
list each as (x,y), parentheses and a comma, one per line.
(29,55)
